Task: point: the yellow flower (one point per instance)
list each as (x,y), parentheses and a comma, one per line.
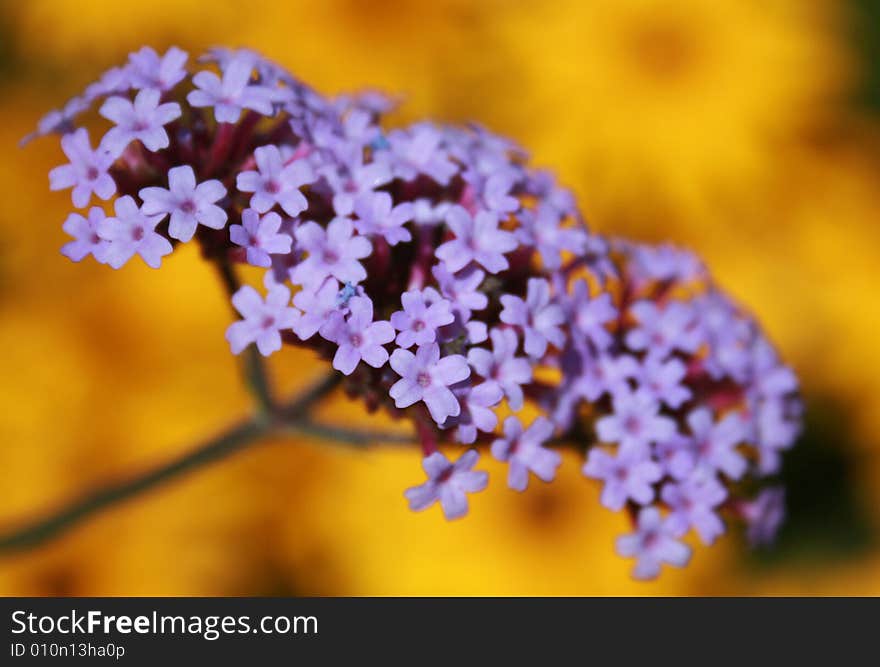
(659,108)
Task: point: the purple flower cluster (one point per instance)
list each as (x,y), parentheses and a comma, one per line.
(449,282)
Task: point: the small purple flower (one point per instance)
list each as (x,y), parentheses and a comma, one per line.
(477,239)
(662,330)
(663,380)
(362,179)
(144,121)
(692,504)
(676,455)
(334,251)
(538,316)
(418,151)
(448,483)
(462,290)
(87,171)
(502,367)
(629,475)
(358,337)
(524,451)
(764,515)
(543,230)
(275,182)
(652,544)
(261,237)
(776,432)
(377,216)
(426,377)
(187,203)
(233,93)
(496,192)
(714,443)
(263,320)
(476,410)
(635,422)
(590,316)
(147,70)
(317,307)
(131,232)
(85,233)
(421,317)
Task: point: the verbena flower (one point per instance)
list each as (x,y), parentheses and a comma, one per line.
(188,204)
(276,182)
(131,232)
(264,319)
(426,377)
(420,318)
(359,338)
(448,483)
(87,171)
(143,120)
(450,282)
(260,236)
(524,452)
(652,544)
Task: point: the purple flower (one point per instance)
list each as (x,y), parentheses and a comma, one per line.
(261,237)
(764,515)
(776,431)
(476,410)
(590,316)
(538,317)
(334,251)
(662,330)
(187,203)
(477,239)
(317,306)
(629,475)
(692,503)
(462,290)
(496,192)
(714,443)
(676,455)
(131,232)
(421,317)
(376,217)
(426,377)
(635,422)
(663,380)
(275,182)
(358,337)
(147,70)
(543,230)
(263,320)
(418,151)
(652,544)
(231,94)
(501,366)
(87,171)
(448,483)
(144,121)
(524,451)
(85,233)
(361,179)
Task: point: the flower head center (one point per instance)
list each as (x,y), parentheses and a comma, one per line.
(423,379)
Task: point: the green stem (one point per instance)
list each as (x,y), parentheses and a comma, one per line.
(293,420)
(59,522)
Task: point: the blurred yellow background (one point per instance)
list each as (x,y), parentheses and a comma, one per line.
(741,128)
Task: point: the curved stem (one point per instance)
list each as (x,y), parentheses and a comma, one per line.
(292,420)
(59,522)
